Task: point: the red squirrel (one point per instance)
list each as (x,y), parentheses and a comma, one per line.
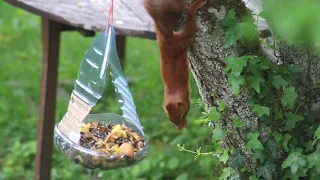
(174,62)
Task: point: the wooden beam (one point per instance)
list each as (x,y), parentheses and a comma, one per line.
(51,41)
(130,18)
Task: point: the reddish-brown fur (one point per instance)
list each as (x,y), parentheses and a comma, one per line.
(173,53)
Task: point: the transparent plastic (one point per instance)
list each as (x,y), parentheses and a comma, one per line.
(91,80)
(93,159)
(101,62)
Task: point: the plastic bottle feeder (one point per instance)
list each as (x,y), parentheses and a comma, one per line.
(121,139)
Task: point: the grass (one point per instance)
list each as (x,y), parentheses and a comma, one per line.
(20,76)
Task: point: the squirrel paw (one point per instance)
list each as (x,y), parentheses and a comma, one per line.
(197,4)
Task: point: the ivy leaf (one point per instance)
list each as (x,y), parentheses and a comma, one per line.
(236,64)
(295,68)
(254,82)
(267,170)
(261,110)
(238,123)
(232,35)
(237,160)
(277,114)
(235,175)
(289,97)
(222,106)
(316,135)
(214,114)
(247,30)
(225,157)
(286,139)
(314,160)
(292,119)
(229,20)
(253,177)
(229,61)
(277,81)
(273,148)
(253,142)
(253,66)
(217,133)
(277,136)
(235,83)
(226,173)
(294,161)
(258,154)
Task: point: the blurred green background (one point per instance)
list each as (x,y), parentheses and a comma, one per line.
(20,75)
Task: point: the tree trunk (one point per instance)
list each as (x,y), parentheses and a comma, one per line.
(207,66)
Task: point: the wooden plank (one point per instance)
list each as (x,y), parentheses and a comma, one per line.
(51,42)
(130,18)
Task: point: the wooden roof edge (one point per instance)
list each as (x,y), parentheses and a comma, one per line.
(119,30)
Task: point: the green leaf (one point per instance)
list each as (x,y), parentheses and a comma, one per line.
(202,121)
(214,114)
(261,110)
(294,161)
(289,97)
(314,160)
(235,83)
(259,155)
(229,20)
(253,177)
(237,160)
(217,133)
(232,35)
(226,173)
(254,82)
(229,61)
(273,148)
(292,119)
(277,136)
(235,175)
(238,123)
(267,170)
(286,139)
(225,157)
(247,30)
(253,142)
(222,106)
(277,114)
(277,81)
(236,64)
(316,135)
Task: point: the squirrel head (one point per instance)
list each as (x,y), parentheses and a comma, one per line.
(177,113)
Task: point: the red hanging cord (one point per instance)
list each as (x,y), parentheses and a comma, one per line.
(110,16)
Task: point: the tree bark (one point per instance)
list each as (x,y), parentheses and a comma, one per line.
(207,65)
